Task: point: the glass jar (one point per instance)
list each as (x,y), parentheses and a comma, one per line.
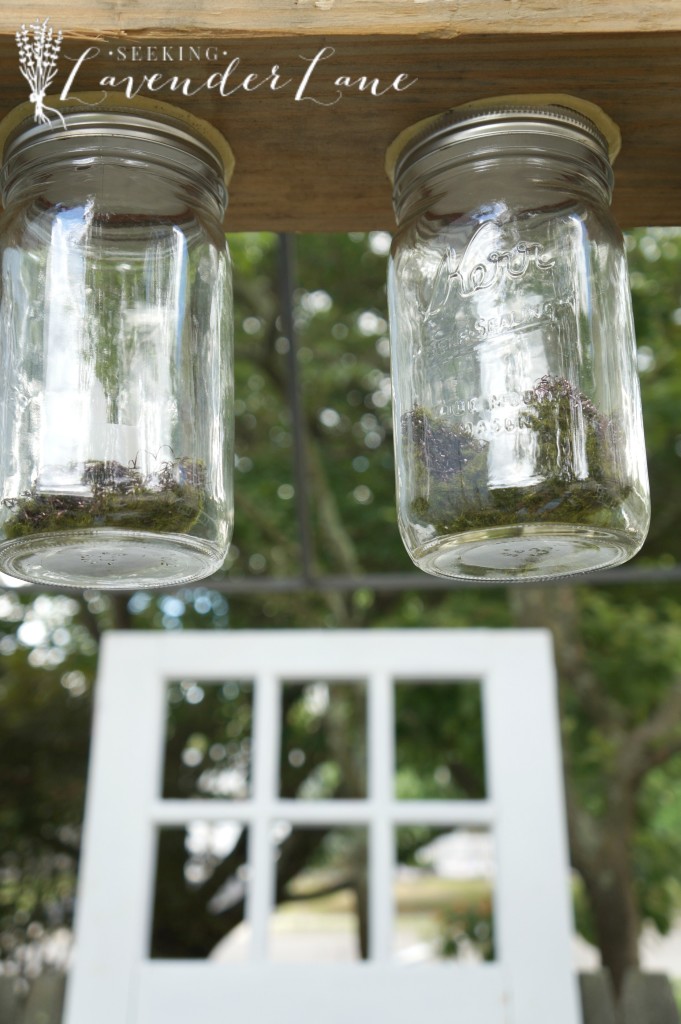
(115,337)
(518,428)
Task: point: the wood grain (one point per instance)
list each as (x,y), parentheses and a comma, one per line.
(303,166)
(428,19)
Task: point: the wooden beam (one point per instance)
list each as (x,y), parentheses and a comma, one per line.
(309,155)
(444,19)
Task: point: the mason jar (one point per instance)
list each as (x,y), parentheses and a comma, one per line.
(517,415)
(115,338)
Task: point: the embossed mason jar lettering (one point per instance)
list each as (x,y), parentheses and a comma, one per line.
(518,428)
(115,336)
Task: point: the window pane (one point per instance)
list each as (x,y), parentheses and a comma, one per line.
(444,895)
(323,750)
(201,882)
(439,741)
(321,881)
(208,739)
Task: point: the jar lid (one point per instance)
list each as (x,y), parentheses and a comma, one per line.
(553,117)
(165,130)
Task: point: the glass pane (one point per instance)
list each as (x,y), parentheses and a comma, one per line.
(439,741)
(323,750)
(322,885)
(208,739)
(444,895)
(201,882)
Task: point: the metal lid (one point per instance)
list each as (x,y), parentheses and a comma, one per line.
(77,134)
(500,128)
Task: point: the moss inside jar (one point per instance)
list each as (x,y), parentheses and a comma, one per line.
(114,496)
(575,474)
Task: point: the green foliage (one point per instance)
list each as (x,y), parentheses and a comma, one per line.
(467,929)
(324,741)
(451,766)
(115,289)
(654,264)
(44,700)
(208,739)
(657,852)
(343,367)
(633,639)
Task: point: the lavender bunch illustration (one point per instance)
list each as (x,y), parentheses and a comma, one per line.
(38,62)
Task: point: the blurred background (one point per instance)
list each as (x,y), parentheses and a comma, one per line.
(617,641)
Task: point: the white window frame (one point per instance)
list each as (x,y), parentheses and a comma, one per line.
(532,981)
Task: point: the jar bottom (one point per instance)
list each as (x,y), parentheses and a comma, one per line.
(525,553)
(110,559)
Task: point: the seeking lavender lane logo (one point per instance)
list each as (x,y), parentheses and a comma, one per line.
(38,53)
(222,72)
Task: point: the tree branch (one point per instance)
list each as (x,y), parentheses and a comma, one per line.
(333,531)
(259,298)
(465,777)
(556,609)
(120,613)
(88,619)
(585,833)
(252,512)
(318,894)
(655,740)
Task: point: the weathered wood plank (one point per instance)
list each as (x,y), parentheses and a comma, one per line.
(11,1008)
(46,1000)
(444,19)
(647,999)
(598,1000)
(43,1005)
(310,157)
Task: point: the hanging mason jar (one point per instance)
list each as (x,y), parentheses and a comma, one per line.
(518,429)
(115,338)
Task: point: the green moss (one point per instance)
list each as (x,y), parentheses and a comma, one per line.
(579,481)
(120,497)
